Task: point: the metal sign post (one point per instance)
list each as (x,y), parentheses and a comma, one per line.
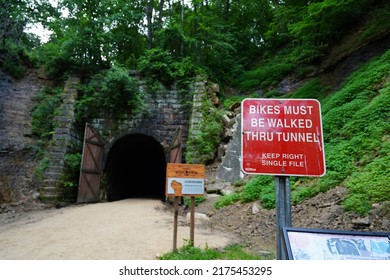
(282,137)
(283,213)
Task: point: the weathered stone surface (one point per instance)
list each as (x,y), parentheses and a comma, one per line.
(217,187)
(200,218)
(230,168)
(17,159)
(63,140)
(15,111)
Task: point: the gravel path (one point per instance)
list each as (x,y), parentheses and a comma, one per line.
(132,229)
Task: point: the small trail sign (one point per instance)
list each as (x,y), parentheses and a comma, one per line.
(185,179)
(282,137)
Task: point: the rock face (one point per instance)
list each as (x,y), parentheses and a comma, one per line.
(230,168)
(17,157)
(15,112)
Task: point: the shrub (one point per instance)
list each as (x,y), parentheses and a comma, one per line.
(203,141)
(111,93)
(227,200)
(260,188)
(269,74)
(368,186)
(47,101)
(70,177)
(314,88)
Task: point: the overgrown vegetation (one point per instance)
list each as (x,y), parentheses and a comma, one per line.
(161,70)
(189,252)
(70,177)
(47,101)
(204,138)
(112,93)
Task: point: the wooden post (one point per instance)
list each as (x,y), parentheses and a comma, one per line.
(175,222)
(192,221)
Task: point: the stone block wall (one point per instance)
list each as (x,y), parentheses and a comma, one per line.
(165,112)
(64,140)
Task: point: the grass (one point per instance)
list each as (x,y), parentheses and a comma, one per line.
(233,252)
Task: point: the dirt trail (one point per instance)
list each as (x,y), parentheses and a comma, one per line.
(131,229)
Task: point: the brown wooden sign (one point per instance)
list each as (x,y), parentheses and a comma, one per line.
(185,179)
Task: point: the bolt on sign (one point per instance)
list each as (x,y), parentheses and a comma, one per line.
(185,179)
(282,137)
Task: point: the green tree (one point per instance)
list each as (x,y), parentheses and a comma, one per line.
(16,44)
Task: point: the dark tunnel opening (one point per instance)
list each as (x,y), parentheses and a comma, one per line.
(135,167)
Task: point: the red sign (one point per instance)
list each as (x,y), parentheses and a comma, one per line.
(282,137)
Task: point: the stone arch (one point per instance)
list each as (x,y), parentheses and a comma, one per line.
(135,166)
(144,131)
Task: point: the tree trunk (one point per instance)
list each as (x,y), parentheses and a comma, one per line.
(160,14)
(182,29)
(149,22)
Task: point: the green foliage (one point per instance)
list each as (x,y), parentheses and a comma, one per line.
(112,93)
(227,200)
(16,46)
(369,185)
(188,252)
(72,166)
(73,162)
(203,141)
(378,26)
(260,188)
(339,116)
(356,125)
(70,177)
(202,145)
(269,74)
(300,193)
(40,171)
(305,54)
(323,17)
(238,252)
(232,100)
(14,59)
(274,39)
(313,89)
(158,66)
(47,101)
(273,93)
(197,200)
(57,62)
(360,84)
(371,120)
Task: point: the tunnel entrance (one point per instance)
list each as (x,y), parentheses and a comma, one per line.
(135,167)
